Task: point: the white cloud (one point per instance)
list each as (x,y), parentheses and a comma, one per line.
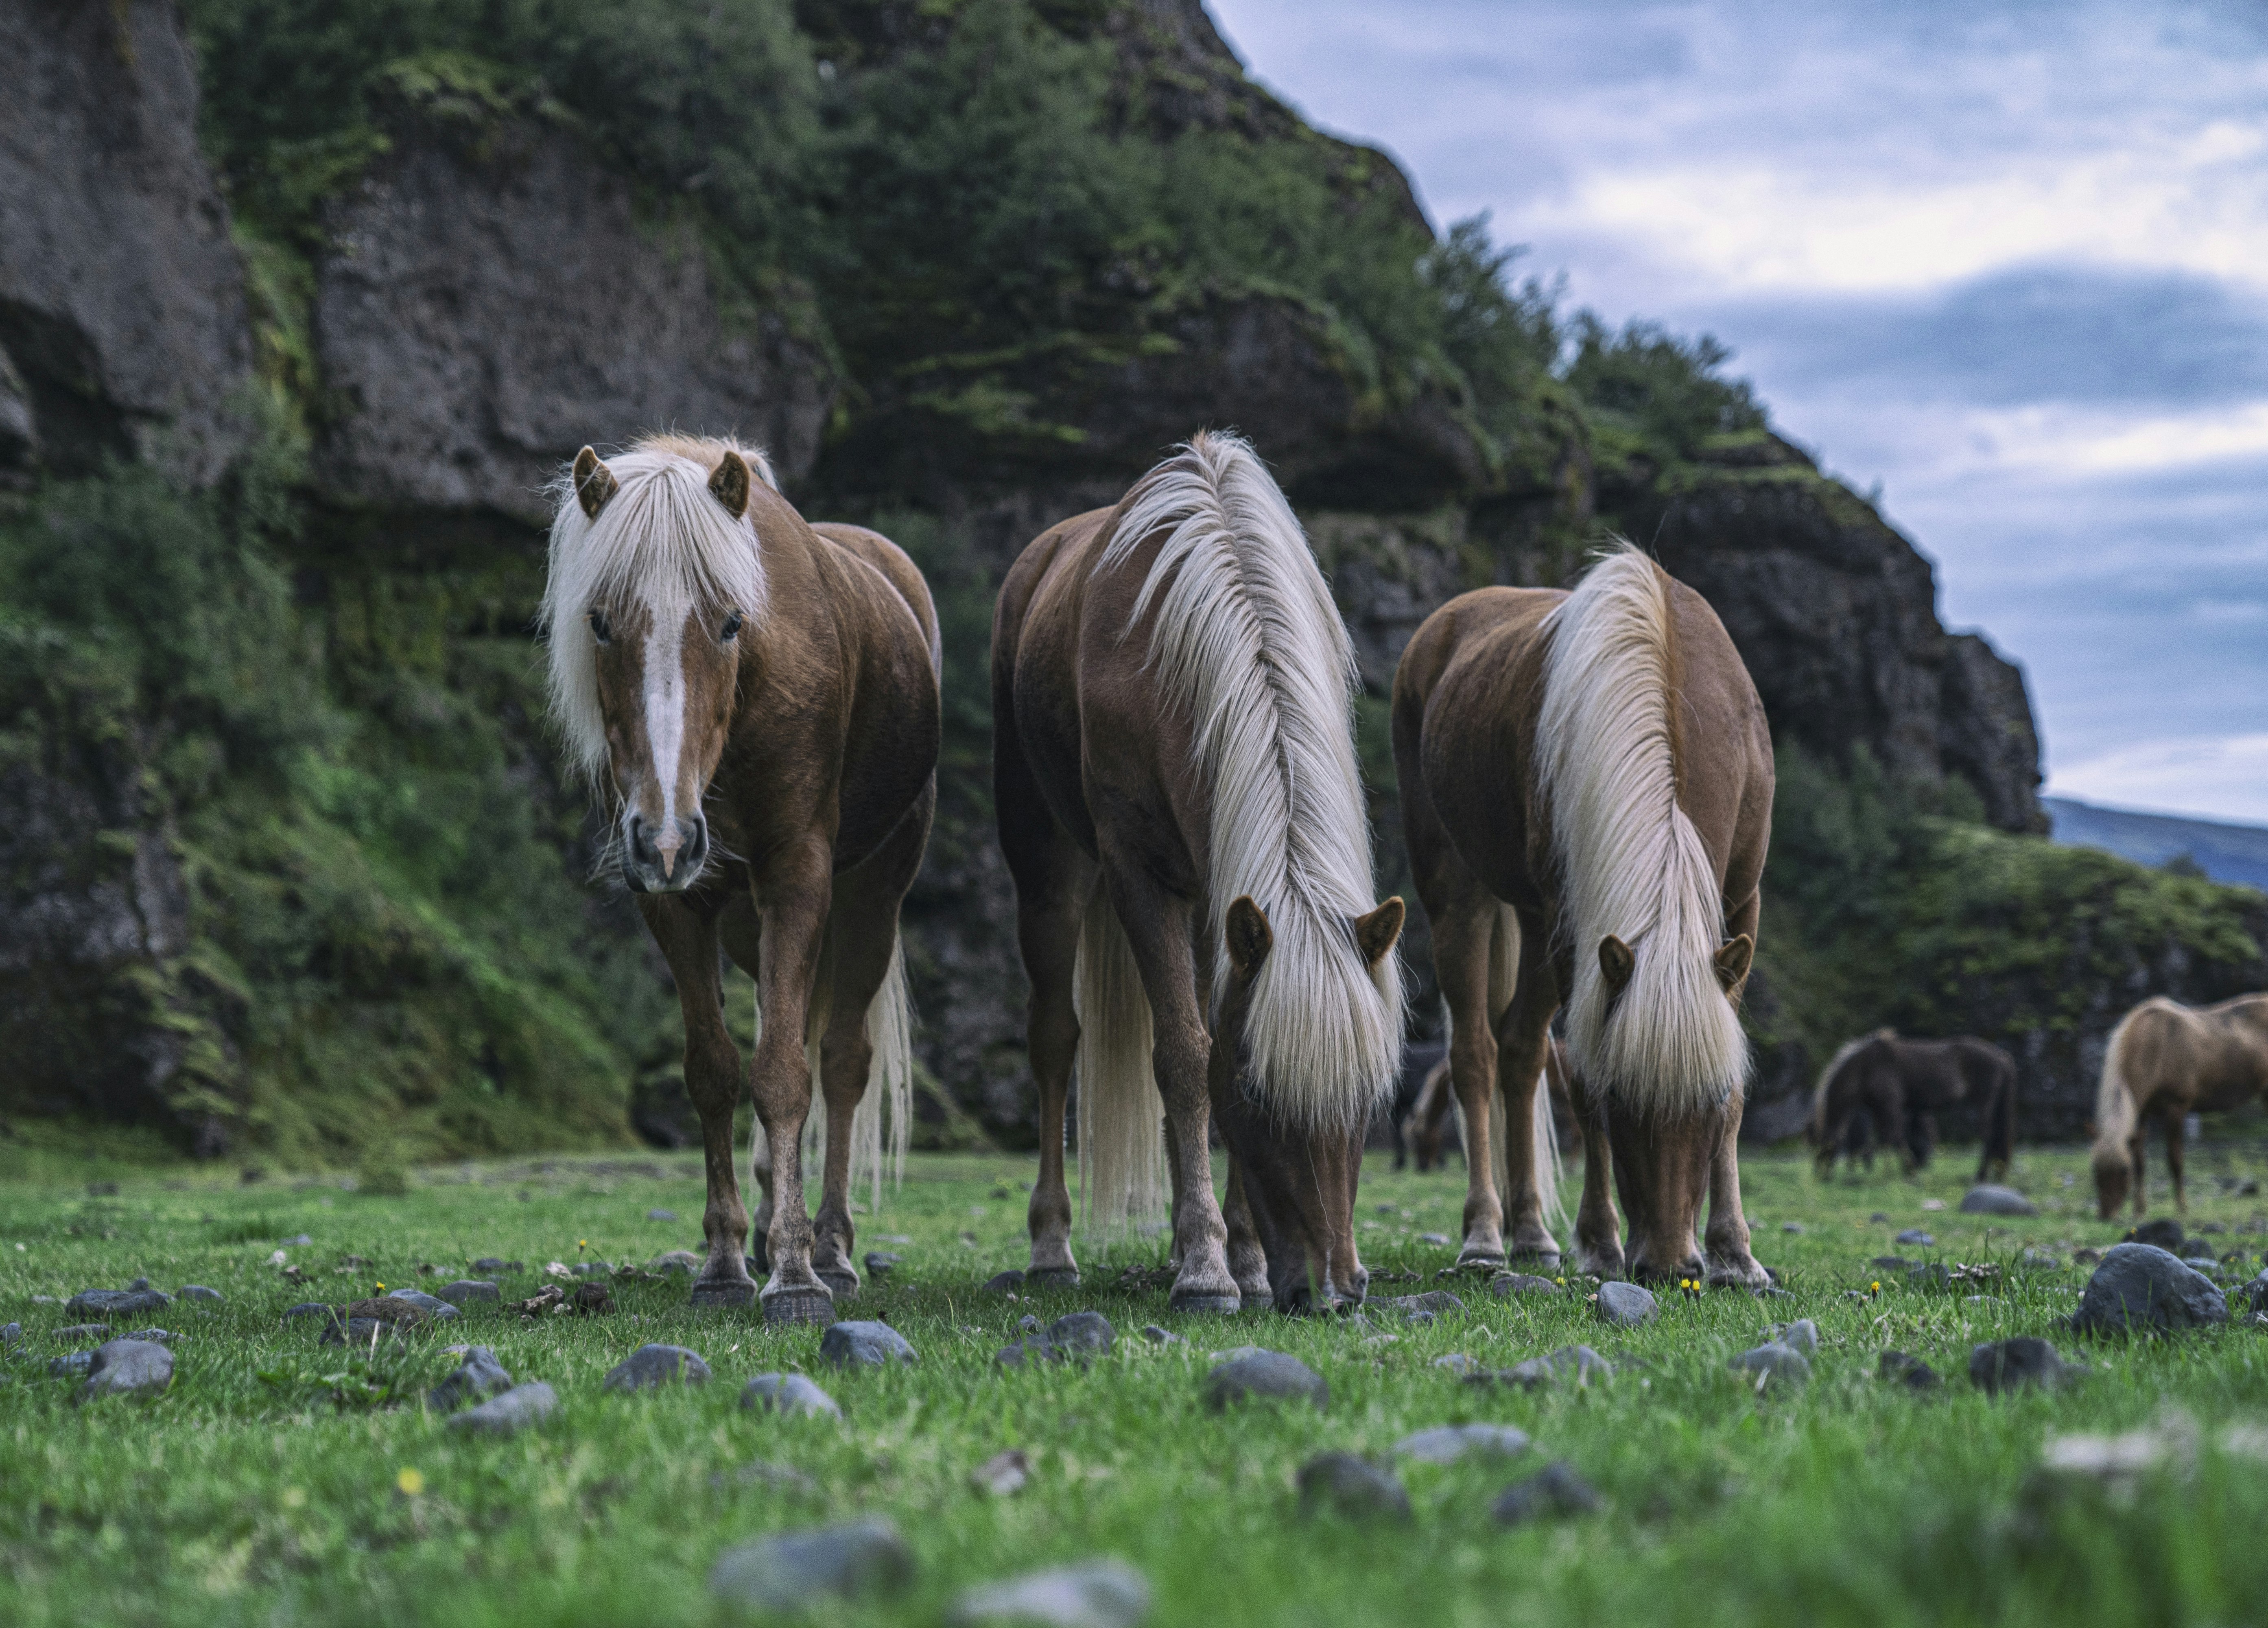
(2224,777)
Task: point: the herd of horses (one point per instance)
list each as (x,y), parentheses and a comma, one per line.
(1586,785)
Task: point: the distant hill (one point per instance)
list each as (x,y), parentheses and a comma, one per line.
(2228,853)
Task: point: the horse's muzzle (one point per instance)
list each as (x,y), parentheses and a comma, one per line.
(665,858)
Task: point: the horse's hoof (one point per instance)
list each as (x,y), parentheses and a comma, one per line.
(1052,1277)
(844,1286)
(811,1305)
(1217,1305)
(1547,1259)
(723,1291)
(1481,1260)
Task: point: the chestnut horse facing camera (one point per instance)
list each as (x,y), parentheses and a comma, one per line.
(1586,787)
(2165,1062)
(1175,767)
(757,701)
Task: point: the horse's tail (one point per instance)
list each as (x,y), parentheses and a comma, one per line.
(1999,1117)
(1247,642)
(1121,1147)
(1632,866)
(889,1092)
(1547,1172)
(2115,1110)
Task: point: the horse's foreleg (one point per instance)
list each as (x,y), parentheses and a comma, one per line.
(1247,1260)
(1727,1243)
(1464,927)
(1523,1037)
(792,899)
(1598,1230)
(713,1081)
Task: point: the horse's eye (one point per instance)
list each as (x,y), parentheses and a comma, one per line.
(732,628)
(599,629)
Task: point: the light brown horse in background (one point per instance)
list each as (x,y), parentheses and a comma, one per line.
(757,701)
(1179,802)
(2167,1061)
(1586,786)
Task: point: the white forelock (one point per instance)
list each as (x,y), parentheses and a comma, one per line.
(1248,641)
(1632,865)
(662,541)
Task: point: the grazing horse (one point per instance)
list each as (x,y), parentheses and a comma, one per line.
(1586,786)
(1900,1086)
(757,701)
(1175,770)
(2167,1061)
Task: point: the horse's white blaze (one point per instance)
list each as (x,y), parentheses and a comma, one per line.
(665,717)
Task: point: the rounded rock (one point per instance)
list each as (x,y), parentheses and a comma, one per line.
(1985,1198)
(1773,1363)
(867,1344)
(797,1569)
(650,1368)
(1269,1375)
(478,1374)
(515,1410)
(1625,1305)
(1444,1443)
(1100,1593)
(128,1368)
(1342,1485)
(2141,1288)
(791,1395)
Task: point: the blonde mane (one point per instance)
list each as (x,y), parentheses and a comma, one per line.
(1632,865)
(1248,641)
(661,541)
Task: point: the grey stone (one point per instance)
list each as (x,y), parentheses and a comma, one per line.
(880,1262)
(198,1291)
(1578,1363)
(661,1215)
(78,1331)
(1984,1198)
(650,1368)
(116,1304)
(790,1394)
(1253,1373)
(468,362)
(1507,1284)
(1340,1484)
(70,1365)
(2198,1249)
(301,1241)
(1457,1363)
(1005,1283)
(364,1332)
(1773,1363)
(1555,1490)
(2085,1258)
(128,1368)
(308,1309)
(491,1264)
(478,1374)
(10,1335)
(2141,1287)
(1439,1240)
(440,1310)
(1099,1594)
(1933,1276)
(2163,1231)
(2038,1261)
(1791,1226)
(1003,1475)
(514,1410)
(1801,1336)
(1083,1335)
(1910,1372)
(2255,1293)
(155,1337)
(679,1262)
(1625,1305)
(797,1569)
(470,1292)
(1157,1335)
(1419,1309)
(1914,1236)
(1444,1443)
(2011,1364)
(871,1344)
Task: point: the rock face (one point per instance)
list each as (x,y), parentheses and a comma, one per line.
(486,306)
(122,323)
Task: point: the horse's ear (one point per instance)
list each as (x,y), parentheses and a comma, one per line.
(1616,962)
(1733,962)
(595,483)
(730,484)
(1249,937)
(1375,934)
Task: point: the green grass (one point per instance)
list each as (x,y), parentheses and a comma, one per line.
(265,1484)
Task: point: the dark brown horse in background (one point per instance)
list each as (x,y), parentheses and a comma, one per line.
(1586,786)
(757,701)
(1425,1128)
(2165,1062)
(1179,802)
(1899,1087)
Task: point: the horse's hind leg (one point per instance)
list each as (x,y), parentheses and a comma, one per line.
(2175,1154)
(1523,1036)
(713,1080)
(1464,922)
(1054,879)
(793,897)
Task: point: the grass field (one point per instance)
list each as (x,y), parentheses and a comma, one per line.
(268,1484)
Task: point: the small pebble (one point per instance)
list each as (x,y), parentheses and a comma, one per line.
(791,1395)
(1916,1236)
(797,1569)
(1910,1372)
(1417,1308)
(1773,1363)
(869,1345)
(70,1365)
(1987,1200)
(1625,1305)
(198,1291)
(650,1368)
(2011,1364)
(470,1292)
(1100,1594)
(432,1306)
(1439,1240)
(478,1374)
(1555,1490)
(1342,1485)
(1444,1443)
(1791,1226)
(308,1309)
(491,1264)
(878,1262)
(1157,1335)
(128,1368)
(1269,1375)
(661,1215)
(1456,1362)
(1507,1284)
(514,1410)
(1002,1474)
(80,1331)
(1800,1336)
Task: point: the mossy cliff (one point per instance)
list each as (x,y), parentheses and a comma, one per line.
(287,857)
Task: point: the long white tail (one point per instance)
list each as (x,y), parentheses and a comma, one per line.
(889,1091)
(1503,974)
(1632,866)
(1121,1144)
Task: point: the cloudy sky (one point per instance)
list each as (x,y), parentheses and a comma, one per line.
(2011,262)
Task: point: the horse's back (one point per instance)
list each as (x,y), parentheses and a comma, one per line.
(895,566)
